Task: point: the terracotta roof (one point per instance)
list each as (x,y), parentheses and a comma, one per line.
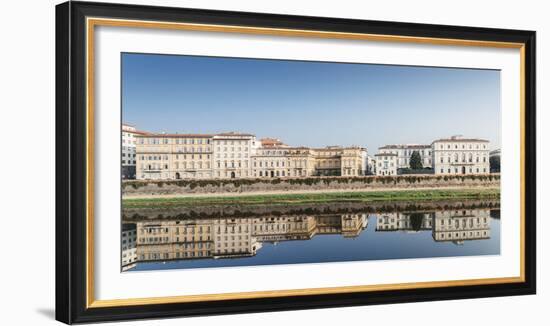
(269,142)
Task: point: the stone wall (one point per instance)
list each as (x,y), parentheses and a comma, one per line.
(134,188)
(239,211)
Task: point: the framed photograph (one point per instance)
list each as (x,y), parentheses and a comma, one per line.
(213,162)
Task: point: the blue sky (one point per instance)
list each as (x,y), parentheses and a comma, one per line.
(309,103)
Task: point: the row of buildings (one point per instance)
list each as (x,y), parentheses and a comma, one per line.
(231,155)
(453,155)
(160,156)
(242,237)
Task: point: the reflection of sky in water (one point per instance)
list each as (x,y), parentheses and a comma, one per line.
(368,245)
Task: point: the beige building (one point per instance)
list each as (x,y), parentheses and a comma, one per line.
(168,240)
(353,161)
(218,238)
(234,238)
(457,155)
(271,162)
(174,156)
(386,164)
(284,228)
(232,154)
(340,161)
(328,161)
(405,151)
(239,155)
(301,161)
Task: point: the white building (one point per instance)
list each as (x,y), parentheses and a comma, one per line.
(459,225)
(128,151)
(404,152)
(129,242)
(407,222)
(371,165)
(457,155)
(386,163)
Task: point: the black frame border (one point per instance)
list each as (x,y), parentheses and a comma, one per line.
(71,162)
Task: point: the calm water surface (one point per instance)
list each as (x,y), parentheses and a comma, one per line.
(305,237)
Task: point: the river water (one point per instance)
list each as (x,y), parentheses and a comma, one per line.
(232,236)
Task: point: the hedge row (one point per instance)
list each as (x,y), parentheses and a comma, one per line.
(410,179)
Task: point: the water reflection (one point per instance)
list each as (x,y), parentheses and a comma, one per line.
(303,238)
(455,226)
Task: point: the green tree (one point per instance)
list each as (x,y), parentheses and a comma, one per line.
(494,162)
(416,221)
(416,161)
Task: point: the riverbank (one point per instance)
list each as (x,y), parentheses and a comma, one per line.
(263,186)
(313,197)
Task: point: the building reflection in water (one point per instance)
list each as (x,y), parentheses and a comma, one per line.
(455,226)
(216,238)
(129,246)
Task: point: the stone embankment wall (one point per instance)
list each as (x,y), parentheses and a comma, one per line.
(135,188)
(240,211)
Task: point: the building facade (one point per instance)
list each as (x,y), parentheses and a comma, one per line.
(460,225)
(457,155)
(271,162)
(386,163)
(405,151)
(406,222)
(233,154)
(353,161)
(129,246)
(222,238)
(340,161)
(494,161)
(371,165)
(173,156)
(239,155)
(128,158)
